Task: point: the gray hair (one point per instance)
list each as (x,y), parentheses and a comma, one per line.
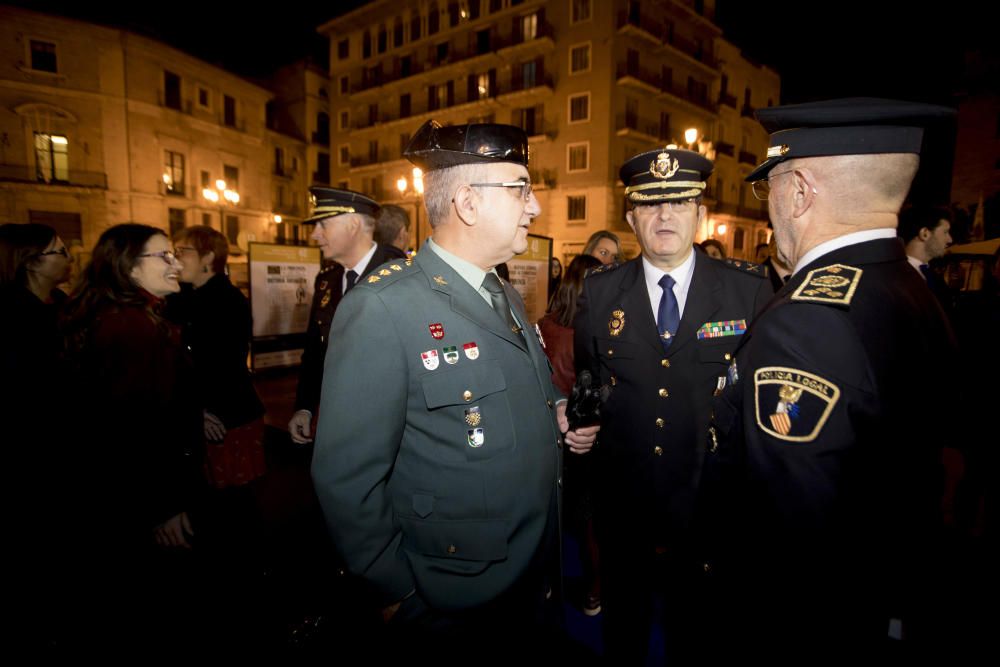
(440,186)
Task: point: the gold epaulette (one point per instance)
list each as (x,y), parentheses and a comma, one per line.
(386,273)
(747,267)
(834,284)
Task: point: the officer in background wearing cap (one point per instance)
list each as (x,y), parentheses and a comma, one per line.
(822,492)
(345,226)
(437,459)
(659,330)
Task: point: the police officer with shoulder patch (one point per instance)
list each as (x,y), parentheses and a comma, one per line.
(345,226)
(659,330)
(437,460)
(821,496)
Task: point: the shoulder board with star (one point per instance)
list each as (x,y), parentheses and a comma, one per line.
(834,284)
(604,268)
(746,267)
(387,273)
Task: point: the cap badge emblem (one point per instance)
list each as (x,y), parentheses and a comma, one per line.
(664,166)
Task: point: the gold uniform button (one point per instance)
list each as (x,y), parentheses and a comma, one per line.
(611,352)
(614,380)
(660,422)
(658,450)
(665,363)
(559,482)
(663,393)
(728,356)
(467,395)
(706,567)
(549,402)
(452,549)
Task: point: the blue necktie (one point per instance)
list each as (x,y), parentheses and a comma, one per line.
(668,318)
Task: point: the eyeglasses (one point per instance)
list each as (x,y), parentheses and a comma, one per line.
(523,183)
(61,251)
(165,255)
(762,188)
(181,249)
(677,205)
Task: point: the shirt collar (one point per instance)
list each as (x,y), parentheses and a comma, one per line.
(842,242)
(470,273)
(681,274)
(359,268)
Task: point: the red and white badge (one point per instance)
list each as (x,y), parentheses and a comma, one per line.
(471,350)
(437,330)
(430,359)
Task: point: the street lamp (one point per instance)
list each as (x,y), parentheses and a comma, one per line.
(220,195)
(418,190)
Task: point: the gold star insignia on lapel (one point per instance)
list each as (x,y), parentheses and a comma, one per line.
(373,279)
(440,281)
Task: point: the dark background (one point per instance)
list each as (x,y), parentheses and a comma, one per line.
(820,49)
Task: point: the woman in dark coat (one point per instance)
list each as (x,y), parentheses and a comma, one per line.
(557,332)
(214,317)
(136,449)
(33,261)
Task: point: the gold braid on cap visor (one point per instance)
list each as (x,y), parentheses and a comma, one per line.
(633,192)
(326,210)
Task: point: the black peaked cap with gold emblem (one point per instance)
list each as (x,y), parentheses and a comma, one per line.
(435,146)
(665,174)
(848,126)
(328,202)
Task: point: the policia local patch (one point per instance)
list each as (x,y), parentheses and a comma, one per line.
(793,405)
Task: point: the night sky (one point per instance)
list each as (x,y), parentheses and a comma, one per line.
(821,49)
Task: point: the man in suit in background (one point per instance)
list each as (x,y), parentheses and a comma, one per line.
(926,233)
(345,226)
(659,330)
(437,460)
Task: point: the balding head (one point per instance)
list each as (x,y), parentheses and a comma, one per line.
(857,184)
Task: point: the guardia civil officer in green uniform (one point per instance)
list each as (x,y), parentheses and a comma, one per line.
(659,330)
(345,228)
(824,482)
(437,460)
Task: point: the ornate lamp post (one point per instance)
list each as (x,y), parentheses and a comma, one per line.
(220,195)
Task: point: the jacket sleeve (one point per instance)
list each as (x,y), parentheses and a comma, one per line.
(362,417)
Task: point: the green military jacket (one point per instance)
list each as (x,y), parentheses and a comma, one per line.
(437,458)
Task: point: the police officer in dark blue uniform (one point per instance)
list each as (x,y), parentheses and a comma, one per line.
(345,227)
(821,490)
(659,331)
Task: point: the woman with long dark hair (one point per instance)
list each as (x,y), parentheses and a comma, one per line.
(140,470)
(557,332)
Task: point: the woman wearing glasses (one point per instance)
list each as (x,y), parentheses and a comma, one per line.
(215,320)
(33,261)
(137,440)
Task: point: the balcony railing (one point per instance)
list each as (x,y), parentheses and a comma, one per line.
(697,97)
(748,158)
(524,84)
(383,155)
(73,177)
(723,148)
(628,121)
(376,78)
(727,99)
(661,33)
(747,111)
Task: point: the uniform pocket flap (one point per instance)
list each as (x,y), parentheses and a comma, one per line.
(716,351)
(483,540)
(423,504)
(609,348)
(459,386)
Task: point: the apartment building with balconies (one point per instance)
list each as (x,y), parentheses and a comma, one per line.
(592,83)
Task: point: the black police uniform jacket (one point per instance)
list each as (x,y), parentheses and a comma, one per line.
(437,459)
(652,426)
(326,297)
(819,503)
